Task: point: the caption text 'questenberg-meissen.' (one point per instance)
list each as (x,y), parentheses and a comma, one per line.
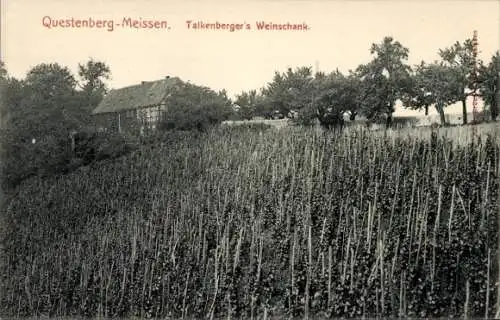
(156,24)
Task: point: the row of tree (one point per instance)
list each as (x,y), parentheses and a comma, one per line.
(373,89)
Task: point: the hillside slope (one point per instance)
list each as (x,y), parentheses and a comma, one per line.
(242,223)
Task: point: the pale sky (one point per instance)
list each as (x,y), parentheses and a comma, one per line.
(340,35)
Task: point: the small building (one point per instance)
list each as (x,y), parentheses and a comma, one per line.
(135,108)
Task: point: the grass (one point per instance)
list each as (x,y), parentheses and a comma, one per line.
(242,223)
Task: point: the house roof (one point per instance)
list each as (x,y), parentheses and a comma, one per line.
(148,93)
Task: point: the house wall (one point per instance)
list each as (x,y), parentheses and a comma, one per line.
(150,116)
(132,121)
(115,122)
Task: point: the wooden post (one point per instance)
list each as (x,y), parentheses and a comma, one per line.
(119,123)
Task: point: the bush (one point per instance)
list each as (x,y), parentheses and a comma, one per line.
(52,155)
(23,158)
(193,107)
(91,145)
(111,145)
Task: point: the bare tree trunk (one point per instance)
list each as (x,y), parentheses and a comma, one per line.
(426,111)
(495,106)
(388,121)
(440,110)
(464,111)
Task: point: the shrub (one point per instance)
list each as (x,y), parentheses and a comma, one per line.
(193,107)
(111,145)
(23,158)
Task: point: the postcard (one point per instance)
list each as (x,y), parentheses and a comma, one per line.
(249,159)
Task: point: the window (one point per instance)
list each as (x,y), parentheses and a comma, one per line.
(149,114)
(154,114)
(142,115)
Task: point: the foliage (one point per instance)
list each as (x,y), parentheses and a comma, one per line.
(384,79)
(326,101)
(194,107)
(291,90)
(92,74)
(432,84)
(489,84)
(251,104)
(3,72)
(39,113)
(247,221)
(37,122)
(337,95)
(323,98)
(460,56)
(93,146)
(242,223)
(111,146)
(418,95)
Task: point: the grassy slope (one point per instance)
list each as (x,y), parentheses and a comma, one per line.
(191,223)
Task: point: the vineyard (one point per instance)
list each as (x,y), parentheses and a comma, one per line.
(242,223)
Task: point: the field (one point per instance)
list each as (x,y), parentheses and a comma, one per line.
(242,223)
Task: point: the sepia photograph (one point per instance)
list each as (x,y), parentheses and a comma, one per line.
(263,160)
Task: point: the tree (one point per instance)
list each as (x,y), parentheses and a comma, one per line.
(195,107)
(12,93)
(488,82)
(52,103)
(251,104)
(247,107)
(328,102)
(40,111)
(332,96)
(50,80)
(384,79)
(291,90)
(261,105)
(3,72)
(431,84)
(92,75)
(417,95)
(353,94)
(4,81)
(460,56)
